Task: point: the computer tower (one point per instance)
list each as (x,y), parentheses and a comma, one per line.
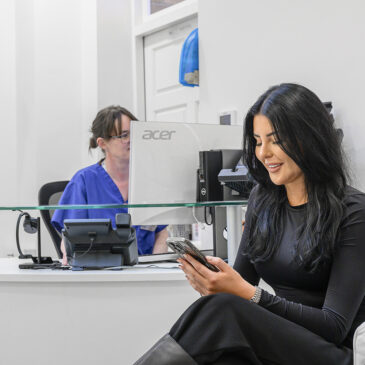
(209,189)
(210,164)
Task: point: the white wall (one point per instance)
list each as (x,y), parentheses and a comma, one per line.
(7,118)
(247,46)
(115,53)
(56,89)
(56,97)
(58,60)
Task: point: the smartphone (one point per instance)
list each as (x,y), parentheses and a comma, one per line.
(183,246)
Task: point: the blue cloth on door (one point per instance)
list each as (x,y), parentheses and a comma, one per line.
(189,60)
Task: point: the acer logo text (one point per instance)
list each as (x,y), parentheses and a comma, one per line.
(157,134)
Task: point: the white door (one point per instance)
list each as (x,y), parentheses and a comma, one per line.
(166,99)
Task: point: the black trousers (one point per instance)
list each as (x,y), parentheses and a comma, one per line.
(226,329)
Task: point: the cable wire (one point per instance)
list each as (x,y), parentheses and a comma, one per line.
(21,255)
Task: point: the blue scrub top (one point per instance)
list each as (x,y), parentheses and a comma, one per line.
(93,185)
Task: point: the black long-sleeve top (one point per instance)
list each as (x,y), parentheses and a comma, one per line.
(329,302)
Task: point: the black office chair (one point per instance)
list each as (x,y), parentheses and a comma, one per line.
(50,194)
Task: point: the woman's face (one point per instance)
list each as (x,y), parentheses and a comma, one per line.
(118,146)
(282,169)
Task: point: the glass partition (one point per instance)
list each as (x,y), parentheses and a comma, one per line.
(110,206)
(200,233)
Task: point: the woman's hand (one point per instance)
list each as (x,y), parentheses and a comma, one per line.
(206,281)
(64,256)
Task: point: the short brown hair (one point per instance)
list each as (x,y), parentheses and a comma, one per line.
(104,123)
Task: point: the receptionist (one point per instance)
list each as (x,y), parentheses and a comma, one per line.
(106,182)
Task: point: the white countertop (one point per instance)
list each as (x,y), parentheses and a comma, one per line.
(10,272)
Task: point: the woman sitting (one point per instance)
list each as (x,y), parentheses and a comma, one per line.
(304,235)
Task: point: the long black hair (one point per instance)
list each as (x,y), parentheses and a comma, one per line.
(306,133)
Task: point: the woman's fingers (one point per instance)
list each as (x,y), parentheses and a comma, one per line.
(192,274)
(218,262)
(188,268)
(194,284)
(205,281)
(200,268)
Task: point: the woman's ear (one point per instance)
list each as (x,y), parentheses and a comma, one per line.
(101,142)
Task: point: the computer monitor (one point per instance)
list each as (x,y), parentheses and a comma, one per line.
(164,158)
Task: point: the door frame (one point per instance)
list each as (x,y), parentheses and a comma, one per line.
(144,25)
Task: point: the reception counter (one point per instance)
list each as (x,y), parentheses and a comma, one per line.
(87,317)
